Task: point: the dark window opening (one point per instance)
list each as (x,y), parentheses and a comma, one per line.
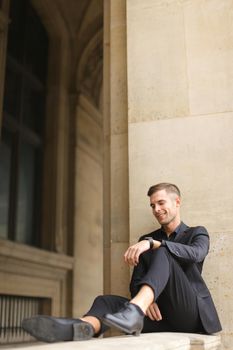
(22,134)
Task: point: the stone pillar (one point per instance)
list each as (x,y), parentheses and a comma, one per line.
(180,86)
(116,193)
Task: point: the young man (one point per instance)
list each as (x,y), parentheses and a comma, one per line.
(168,292)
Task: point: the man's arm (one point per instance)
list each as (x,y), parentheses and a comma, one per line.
(194,252)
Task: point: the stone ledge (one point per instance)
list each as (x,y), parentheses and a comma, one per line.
(149,341)
(204,342)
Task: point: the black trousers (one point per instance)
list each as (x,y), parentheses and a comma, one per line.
(173,293)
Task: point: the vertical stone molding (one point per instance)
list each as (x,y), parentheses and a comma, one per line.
(116,194)
(88,211)
(56,167)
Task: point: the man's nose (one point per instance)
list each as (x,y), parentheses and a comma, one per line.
(156,208)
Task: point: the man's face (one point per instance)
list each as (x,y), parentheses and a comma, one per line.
(165,206)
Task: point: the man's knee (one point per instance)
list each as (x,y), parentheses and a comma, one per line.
(161,252)
(100,299)
(109,303)
(106,299)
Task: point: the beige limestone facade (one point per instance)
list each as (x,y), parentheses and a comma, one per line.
(138,92)
(180,123)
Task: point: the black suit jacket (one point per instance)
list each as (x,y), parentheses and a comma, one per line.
(189,248)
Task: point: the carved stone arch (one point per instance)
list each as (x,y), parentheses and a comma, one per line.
(51,18)
(90,69)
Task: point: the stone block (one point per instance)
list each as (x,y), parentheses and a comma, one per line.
(209,35)
(149,341)
(156,60)
(204,342)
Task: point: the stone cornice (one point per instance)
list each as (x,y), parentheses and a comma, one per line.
(31,254)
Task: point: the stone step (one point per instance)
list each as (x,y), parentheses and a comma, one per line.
(149,341)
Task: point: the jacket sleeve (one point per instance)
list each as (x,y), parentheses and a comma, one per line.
(195,251)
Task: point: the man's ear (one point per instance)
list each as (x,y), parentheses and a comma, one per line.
(178,201)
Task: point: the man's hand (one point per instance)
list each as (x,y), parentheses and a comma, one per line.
(132,254)
(153,312)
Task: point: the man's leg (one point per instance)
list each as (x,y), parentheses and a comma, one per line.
(130,319)
(102,305)
(173,292)
(55,329)
(166,283)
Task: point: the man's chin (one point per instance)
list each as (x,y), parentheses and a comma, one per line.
(162,222)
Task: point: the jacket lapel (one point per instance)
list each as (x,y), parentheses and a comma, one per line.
(182,232)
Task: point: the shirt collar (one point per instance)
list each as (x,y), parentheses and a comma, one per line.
(178,229)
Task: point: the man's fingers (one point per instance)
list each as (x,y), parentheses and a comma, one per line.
(153,312)
(133,253)
(150,315)
(156,312)
(131,256)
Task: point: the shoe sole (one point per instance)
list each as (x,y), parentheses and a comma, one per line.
(47,330)
(112,324)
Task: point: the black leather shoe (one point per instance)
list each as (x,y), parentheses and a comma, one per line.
(129,319)
(53,329)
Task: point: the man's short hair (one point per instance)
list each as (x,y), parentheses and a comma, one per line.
(169,188)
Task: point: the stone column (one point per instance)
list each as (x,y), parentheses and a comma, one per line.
(180,86)
(115,188)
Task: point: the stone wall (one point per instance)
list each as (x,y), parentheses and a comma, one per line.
(180,70)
